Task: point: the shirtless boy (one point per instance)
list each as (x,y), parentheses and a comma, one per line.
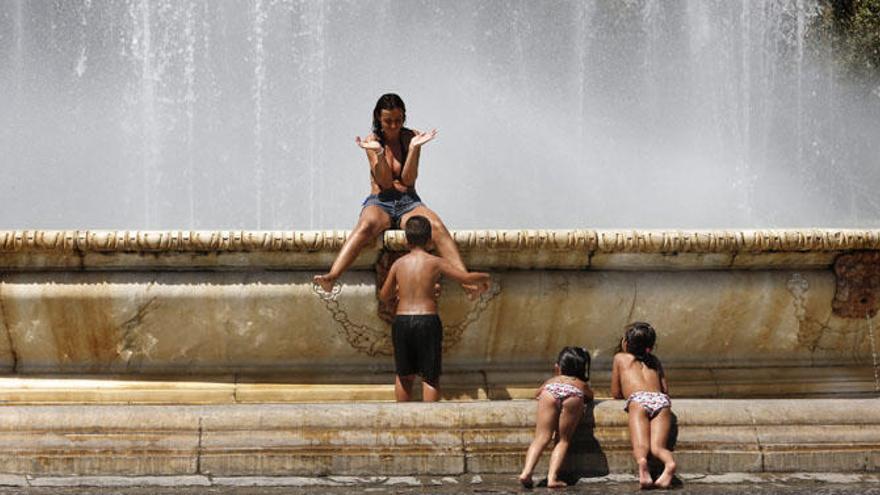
(417,333)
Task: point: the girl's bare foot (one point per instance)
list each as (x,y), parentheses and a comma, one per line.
(645,480)
(526,481)
(665,479)
(556,484)
(326,281)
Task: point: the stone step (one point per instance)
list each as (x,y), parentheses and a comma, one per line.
(764,382)
(448,438)
(789,482)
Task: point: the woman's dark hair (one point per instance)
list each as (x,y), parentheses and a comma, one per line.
(388,101)
(574,361)
(640,338)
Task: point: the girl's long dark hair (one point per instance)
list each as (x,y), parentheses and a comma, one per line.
(574,361)
(640,338)
(388,101)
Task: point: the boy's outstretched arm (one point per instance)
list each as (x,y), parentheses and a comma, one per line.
(480,279)
(390,285)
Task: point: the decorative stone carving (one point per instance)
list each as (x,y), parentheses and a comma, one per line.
(511,240)
(858,285)
(361,337)
(482,249)
(811,240)
(170,241)
(657,241)
(377,341)
(591,241)
(38,240)
(385,310)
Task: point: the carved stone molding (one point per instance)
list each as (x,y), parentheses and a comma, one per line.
(170,241)
(510,240)
(484,249)
(721,241)
(659,241)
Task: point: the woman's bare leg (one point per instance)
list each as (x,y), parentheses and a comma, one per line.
(546,422)
(372,222)
(659,437)
(640,435)
(569,419)
(443,241)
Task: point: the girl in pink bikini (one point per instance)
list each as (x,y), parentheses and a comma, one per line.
(638,375)
(561,401)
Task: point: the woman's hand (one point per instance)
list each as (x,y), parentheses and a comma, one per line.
(368,145)
(421,138)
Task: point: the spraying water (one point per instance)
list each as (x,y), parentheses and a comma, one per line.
(154,114)
(259,91)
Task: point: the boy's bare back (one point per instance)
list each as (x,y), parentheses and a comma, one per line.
(414,275)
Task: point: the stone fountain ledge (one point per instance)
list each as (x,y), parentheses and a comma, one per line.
(231,317)
(526,249)
(444,439)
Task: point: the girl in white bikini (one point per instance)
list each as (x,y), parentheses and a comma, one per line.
(561,402)
(638,375)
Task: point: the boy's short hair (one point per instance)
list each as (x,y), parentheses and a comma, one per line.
(418,230)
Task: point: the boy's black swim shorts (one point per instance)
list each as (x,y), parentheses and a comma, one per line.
(418,346)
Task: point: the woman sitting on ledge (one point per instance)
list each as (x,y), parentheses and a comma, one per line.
(393,153)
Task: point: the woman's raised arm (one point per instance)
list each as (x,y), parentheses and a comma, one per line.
(379,167)
(410,171)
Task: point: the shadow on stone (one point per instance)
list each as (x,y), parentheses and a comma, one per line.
(585,458)
(654,465)
(499,393)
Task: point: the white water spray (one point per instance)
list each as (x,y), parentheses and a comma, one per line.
(664,114)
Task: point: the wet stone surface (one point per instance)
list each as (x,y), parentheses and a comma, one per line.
(835,489)
(828,484)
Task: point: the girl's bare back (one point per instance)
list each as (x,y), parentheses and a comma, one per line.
(636,376)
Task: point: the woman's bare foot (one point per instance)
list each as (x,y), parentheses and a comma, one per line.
(645,480)
(665,479)
(526,481)
(326,281)
(556,484)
